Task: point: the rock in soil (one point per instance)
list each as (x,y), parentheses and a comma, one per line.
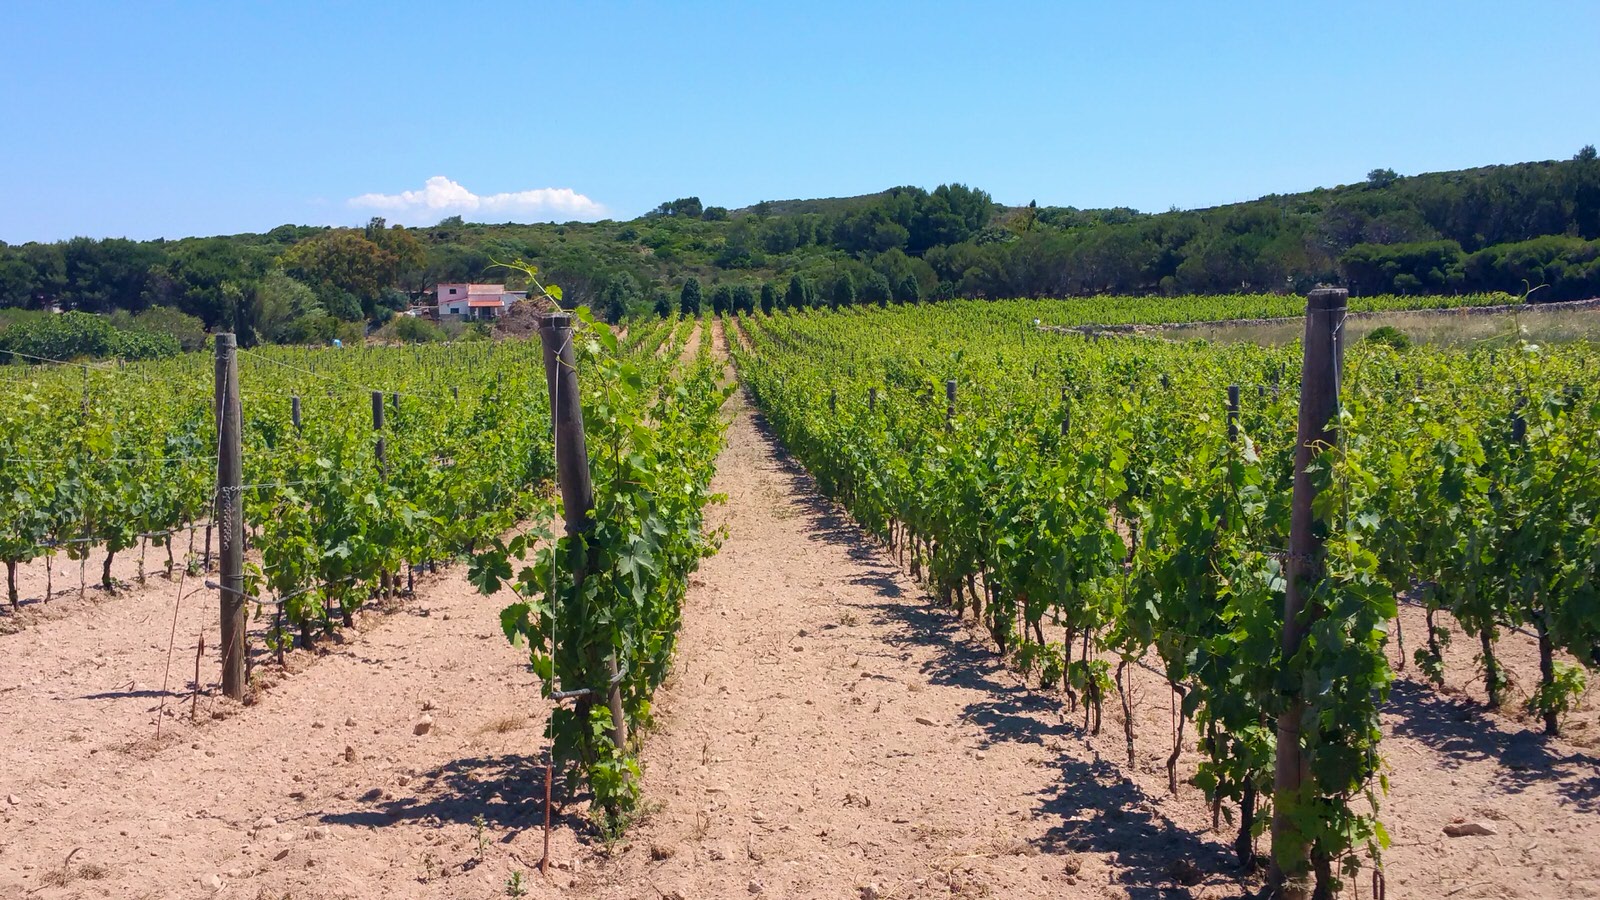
(1470,829)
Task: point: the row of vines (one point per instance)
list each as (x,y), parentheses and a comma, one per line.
(1095,506)
(103,458)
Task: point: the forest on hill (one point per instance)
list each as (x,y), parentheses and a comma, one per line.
(1511,228)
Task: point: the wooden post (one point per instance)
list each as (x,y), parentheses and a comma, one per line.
(1233,413)
(294,411)
(949,403)
(572,471)
(230,515)
(833,402)
(1319,404)
(872,399)
(380,448)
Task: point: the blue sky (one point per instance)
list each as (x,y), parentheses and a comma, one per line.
(169,119)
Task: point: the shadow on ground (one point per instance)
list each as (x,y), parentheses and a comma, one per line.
(506,791)
(1100,809)
(1460,731)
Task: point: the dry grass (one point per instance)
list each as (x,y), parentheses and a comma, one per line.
(1441,328)
(505,724)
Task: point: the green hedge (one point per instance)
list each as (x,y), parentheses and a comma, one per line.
(78,334)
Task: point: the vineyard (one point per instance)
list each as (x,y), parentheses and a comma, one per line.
(1113,514)
(1097,505)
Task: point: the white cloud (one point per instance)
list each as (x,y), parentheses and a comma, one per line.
(441,197)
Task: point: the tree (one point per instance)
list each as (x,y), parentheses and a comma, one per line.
(618,295)
(722,299)
(663,304)
(844,291)
(908,290)
(769,297)
(287,311)
(715,214)
(342,261)
(1381,178)
(798,296)
(689,298)
(683,207)
(875,289)
(744,299)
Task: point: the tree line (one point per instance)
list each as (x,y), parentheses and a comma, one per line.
(1509,228)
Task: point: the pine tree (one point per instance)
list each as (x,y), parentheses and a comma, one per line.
(689,299)
(796,297)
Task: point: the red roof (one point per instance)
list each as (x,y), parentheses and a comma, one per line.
(495,301)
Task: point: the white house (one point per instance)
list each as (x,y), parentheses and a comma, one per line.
(476,301)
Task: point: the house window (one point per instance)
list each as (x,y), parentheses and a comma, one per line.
(452,290)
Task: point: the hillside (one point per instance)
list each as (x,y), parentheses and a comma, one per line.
(1494,228)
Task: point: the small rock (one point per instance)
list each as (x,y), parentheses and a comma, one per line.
(281,855)
(1470,829)
(12,799)
(427,704)
(661,851)
(214,882)
(924,720)
(350,722)
(756,886)
(350,752)
(871,892)
(284,837)
(266,822)
(403,780)
(318,725)
(423,726)
(446,617)
(319,833)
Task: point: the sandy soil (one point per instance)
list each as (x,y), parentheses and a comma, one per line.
(827,732)
(691,347)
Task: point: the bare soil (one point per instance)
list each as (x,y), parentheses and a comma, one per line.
(827,732)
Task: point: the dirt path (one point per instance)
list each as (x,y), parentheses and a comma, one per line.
(322,789)
(691,347)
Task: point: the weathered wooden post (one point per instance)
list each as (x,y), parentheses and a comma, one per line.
(294,412)
(380,447)
(230,516)
(380,450)
(949,403)
(872,399)
(572,474)
(1233,413)
(1319,403)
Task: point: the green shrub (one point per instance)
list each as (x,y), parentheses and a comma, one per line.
(1390,335)
(411,330)
(80,334)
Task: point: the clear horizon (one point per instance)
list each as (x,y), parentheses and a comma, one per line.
(220,120)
